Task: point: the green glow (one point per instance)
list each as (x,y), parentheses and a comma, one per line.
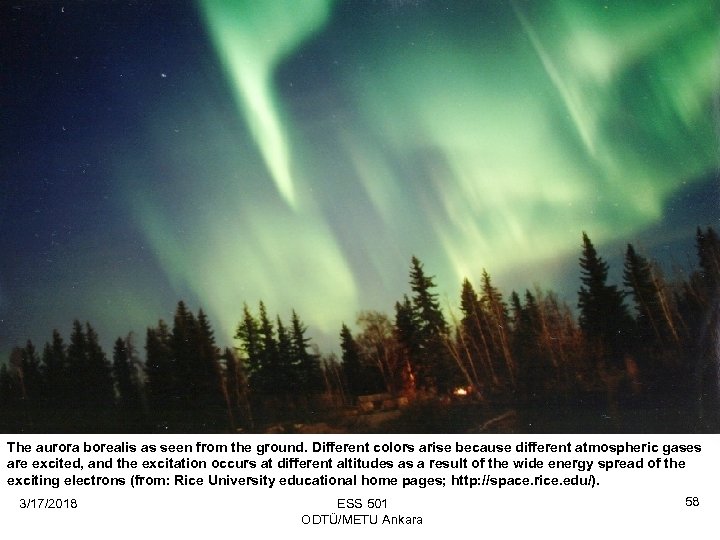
(588,118)
(213,238)
(467,144)
(252,38)
(284,263)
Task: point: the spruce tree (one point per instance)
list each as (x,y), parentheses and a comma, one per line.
(184,346)
(209,403)
(127,385)
(272,377)
(534,370)
(638,278)
(287,376)
(33,383)
(90,384)
(162,379)
(603,316)
(236,390)
(352,366)
(407,327)
(55,374)
(435,370)
(102,393)
(310,374)
(77,370)
(248,333)
(474,327)
(496,315)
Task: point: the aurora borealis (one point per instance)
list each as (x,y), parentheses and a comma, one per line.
(227,151)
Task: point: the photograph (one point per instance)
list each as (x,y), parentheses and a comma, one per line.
(359,217)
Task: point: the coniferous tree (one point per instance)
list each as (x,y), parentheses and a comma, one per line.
(287,376)
(270,372)
(353,368)
(654,319)
(496,315)
(525,345)
(236,389)
(77,368)
(474,330)
(162,383)
(408,338)
(351,361)
(89,380)
(310,374)
(102,393)
(248,333)
(209,402)
(435,371)
(32,384)
(55,374)
(184,344)
(603,316)
(127,385)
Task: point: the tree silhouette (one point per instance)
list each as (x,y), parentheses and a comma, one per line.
(248,333)
(32,384)
(534,369)
(655,320)
(430,357)
(656,371)
(55,374)
(351,363)
(287,378)
(162,378)
(89,377)
(603,316)
(308,364)
(209,402)
(127,385)
(236,390)
(496,315)
(270,372)
(360,373)
(475,336)
(102,393)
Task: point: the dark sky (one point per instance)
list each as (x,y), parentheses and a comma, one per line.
(225,152)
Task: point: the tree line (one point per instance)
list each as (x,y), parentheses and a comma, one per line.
(640,352)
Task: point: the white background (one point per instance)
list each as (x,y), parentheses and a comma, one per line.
(645,502)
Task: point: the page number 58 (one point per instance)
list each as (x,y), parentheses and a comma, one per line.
(692,501)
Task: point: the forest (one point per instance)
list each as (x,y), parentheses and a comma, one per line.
(635,357)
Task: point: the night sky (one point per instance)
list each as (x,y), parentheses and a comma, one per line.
(300,152)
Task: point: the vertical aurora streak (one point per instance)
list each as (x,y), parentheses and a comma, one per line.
(252,38)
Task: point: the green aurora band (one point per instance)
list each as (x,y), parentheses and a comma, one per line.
(471,143)
(251,39)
